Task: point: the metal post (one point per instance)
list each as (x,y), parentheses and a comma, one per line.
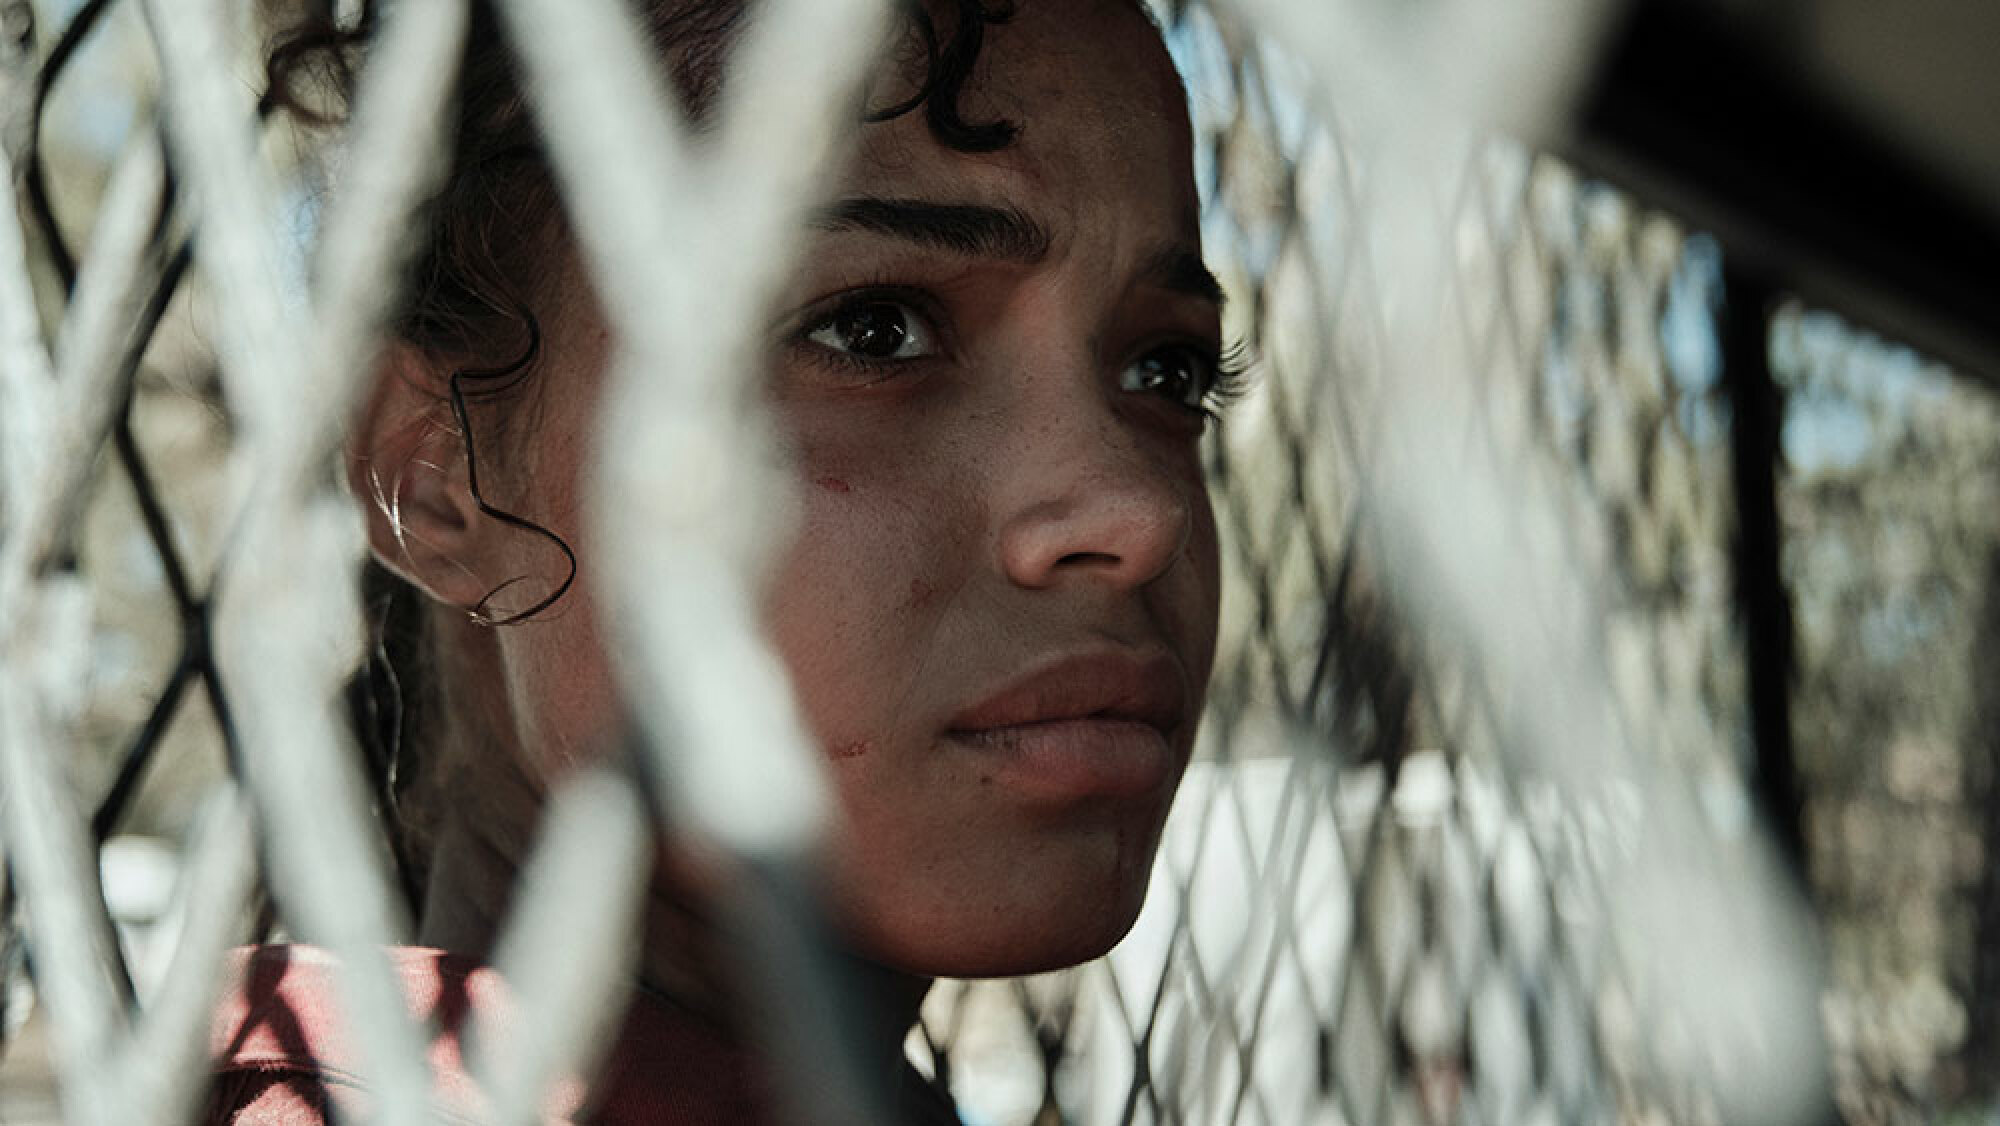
(1758,415)
(1758,410)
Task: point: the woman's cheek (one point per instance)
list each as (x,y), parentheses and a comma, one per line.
(830,608)
(885,540)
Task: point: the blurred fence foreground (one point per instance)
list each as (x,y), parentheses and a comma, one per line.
(1537,509)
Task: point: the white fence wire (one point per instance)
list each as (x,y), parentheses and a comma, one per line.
(1473,872)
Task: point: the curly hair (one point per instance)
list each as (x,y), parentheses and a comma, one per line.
(487,229)
(489,223)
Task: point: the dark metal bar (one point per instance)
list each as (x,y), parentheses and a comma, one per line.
(79,28)
(1756,433)
(1758,420)
(139,755)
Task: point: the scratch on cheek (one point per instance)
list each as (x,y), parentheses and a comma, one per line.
(920,592)
(833,484)
(855,749)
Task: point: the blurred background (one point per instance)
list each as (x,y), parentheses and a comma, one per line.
(1724,314)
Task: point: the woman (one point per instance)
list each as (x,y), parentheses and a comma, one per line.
(991,373)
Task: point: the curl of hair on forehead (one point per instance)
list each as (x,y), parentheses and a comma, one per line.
(947,66)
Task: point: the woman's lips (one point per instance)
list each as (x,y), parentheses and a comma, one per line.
(1067,759)
(1096,725)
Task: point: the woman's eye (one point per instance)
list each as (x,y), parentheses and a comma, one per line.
(1181,373)
(875,329)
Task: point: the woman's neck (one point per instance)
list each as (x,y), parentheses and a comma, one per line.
(699,946)
(715,925)
(469,887)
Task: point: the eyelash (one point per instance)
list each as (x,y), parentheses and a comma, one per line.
(822,314)
(1229,366)
(1232,366)
(1228,370)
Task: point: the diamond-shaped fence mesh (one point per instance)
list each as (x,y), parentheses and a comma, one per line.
(1366,909)
(1474,831)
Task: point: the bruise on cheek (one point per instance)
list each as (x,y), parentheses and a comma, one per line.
(852,749)
(833,484)
(921,592)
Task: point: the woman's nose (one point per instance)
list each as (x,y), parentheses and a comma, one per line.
(1092,502)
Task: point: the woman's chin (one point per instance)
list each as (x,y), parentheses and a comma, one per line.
(967,939)
(1054,949)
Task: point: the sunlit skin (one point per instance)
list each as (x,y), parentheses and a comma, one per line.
(991,482)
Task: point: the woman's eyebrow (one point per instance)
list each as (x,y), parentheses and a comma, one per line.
(1180,269)
(968,229)
(975,230)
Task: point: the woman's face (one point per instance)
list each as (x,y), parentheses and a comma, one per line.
(999,605)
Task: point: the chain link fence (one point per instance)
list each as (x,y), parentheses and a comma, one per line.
(1472,835)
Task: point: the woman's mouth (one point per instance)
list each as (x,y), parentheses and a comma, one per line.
(1097,725)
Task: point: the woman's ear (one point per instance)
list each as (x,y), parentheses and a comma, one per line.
(406,462)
